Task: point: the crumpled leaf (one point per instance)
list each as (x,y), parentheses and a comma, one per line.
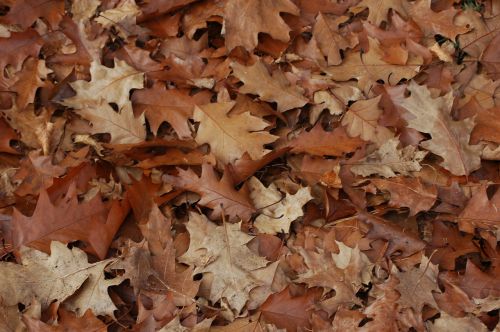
(388,160)
(93,294)
(276,212)
(344,272)
(222,251)
(417,285)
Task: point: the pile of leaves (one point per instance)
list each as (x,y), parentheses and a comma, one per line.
(249,165)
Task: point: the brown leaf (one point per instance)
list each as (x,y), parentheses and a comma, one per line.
(433,23)
(480,212)
(68,322)
(245,20)
(230,136)
(319,142)
(362,120)
(216,194)
(450,139)
(290,312)
(388,160)
(222,252)
(275,88)
(173,106)
(20,45)
(26,12)
(409,192)
(93,222)
(369,67)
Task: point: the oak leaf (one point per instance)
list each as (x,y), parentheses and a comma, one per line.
(319,142)
(93,295)
(16,48)
(369,67)
(123,126)
(432,23)
(417,285)
(216,194)
(93,222)
(29,80)
(277,213)
(450,139)
(67,322)
(362,120)
(108,84)
(222,252)
(447,322)
(244,20)
(26,12)
(230,136)
(388,160)
(330,41)
(290,312)
(378,10)
(480,212)
(345,272)
(410,192)
(275,88)
(173,106)
(44,277)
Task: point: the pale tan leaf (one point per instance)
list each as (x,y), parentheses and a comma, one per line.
(222,251)
(230,136)
(450,139)
(277,213)
(109,84)
(388,160)
(122,125)
(43,277)
(362,120)
(244,20)
(275,88)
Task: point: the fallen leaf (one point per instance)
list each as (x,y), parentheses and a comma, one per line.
(362,120)
(222,251)
(409,192)
(288,312)
(319,142)
(216,194)
(275,88)
(450,139)
(46,278)
(276,212)
(111,85)
(230,136)
(388,160)
(245,20)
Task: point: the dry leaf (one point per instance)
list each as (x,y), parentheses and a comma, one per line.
(230,136)
(388,160)
(450,139)
(222,252)
(276,212)
(275,88)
